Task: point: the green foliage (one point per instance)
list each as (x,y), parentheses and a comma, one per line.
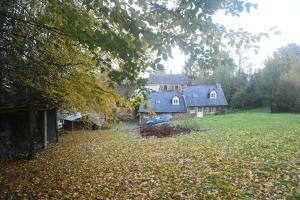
(277,85)
(59,49)
(106,125)
(242,156)
(280,79)
(287,97)
(136,102)
(232,79)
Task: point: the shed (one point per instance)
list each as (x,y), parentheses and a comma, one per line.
(76,121)
(25,129)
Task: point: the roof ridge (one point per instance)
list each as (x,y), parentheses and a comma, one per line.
(164,92)
(170,74)
(199,85)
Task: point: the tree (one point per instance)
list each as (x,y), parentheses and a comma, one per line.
(72,53)
(223,72)
(280,77)
(248,96)
(287,96)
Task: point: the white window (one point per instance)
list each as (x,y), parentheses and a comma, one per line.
(192,110)
(213,95)
(175,101)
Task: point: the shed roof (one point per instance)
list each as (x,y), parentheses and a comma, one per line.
(73,116)
(162,102)
(168,79)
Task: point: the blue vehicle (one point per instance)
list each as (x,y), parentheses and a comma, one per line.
(159,119)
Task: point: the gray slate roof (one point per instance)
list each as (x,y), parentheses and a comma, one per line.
(168,79)
(193,96)
(198,96)
(165,103)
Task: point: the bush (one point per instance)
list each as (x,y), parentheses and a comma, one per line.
(106,126)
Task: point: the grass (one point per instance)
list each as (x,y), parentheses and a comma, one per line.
(242,156)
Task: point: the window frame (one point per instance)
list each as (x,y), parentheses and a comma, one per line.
(213,95)
(175,101)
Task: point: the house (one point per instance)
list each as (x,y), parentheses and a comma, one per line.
(164,103)
(167,82)
(188,101)
(26,129)
(205,100)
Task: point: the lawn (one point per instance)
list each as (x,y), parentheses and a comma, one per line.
(241,156)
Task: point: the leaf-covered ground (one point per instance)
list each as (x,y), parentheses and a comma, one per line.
(243,156)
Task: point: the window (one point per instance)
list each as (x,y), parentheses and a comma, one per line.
(209,109)
(213,95)
(157,102)
(200,109)
(165,87)
(192,110)
(175,101)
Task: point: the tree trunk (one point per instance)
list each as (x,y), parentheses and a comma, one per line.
(45,129)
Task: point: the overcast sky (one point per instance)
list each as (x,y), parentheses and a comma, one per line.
(285,14)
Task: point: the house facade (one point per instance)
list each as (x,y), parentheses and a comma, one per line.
(167,82)
(184,101)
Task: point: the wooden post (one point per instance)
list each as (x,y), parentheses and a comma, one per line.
(45,130)
(140,119)
(32,133)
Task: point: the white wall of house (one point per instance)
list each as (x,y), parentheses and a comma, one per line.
(165,87)
(153,87)
(171,87)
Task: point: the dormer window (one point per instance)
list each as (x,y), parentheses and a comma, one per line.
(175,101)
(213,95)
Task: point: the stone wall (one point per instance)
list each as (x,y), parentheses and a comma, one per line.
(207,110)
(191,112)
(178,116)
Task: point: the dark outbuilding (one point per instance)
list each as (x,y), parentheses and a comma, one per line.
(26,129)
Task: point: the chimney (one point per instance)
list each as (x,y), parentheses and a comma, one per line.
(181,91)
(218,85)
